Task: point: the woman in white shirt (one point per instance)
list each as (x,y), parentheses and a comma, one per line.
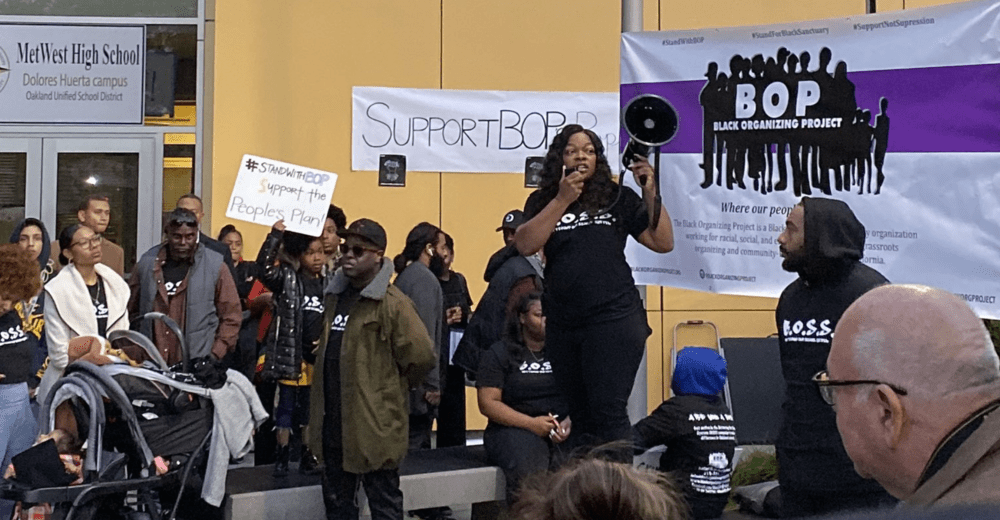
(85,298)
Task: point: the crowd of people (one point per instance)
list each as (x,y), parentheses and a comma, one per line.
(356,354)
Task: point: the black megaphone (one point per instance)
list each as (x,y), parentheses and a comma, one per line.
(651,122)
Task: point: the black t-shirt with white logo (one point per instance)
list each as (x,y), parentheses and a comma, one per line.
(16,351)
(587,279)
(174,273)
(701,438)
(331,368)
(312,313)
(99,299)
(527,385)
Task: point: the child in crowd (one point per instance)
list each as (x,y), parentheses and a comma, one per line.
(291,266)
(697,428)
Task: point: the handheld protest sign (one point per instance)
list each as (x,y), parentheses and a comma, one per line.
(267,191)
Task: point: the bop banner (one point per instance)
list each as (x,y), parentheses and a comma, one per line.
(471,130)
(895,114)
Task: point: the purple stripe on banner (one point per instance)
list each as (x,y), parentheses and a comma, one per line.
(936,109)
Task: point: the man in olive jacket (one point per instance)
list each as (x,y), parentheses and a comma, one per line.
(373,350)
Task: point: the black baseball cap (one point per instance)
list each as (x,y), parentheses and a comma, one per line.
(512,220)
(368,230)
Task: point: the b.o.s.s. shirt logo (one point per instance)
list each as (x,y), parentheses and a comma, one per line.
(572,221)
(807,331)
(12,335)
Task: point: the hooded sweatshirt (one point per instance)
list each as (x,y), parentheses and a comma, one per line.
(45,263)
(810,451)
(32,312)
(697,429)
(508,284)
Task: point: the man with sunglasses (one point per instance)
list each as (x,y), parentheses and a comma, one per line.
(190,283)
(823,243)
(915,382)
(193,203)
(373,351)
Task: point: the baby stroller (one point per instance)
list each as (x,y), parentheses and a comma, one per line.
(130,416)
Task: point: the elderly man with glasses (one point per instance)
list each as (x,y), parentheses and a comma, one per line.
(915,383)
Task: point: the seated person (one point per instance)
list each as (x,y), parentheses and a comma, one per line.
(697,428)
(518,394)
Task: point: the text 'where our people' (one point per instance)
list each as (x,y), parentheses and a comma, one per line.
(731,207)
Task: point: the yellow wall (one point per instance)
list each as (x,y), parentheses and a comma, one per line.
(283,78)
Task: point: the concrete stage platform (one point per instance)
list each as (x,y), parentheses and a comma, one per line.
(430,478)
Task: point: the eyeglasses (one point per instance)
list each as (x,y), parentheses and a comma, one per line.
(826,385)
(357,251)
(89,243)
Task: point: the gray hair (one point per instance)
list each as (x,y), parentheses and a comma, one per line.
(926,341)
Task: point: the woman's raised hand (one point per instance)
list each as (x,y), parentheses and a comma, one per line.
(643,173)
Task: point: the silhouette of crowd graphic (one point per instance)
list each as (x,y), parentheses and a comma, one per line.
(776,117)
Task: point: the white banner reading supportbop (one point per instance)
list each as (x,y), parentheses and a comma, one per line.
(770,114)
(267,191)
(72,74)
(472,130)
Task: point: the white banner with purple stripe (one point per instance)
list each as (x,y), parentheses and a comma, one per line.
(772,113)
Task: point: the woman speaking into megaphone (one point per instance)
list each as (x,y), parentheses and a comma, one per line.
(596,327)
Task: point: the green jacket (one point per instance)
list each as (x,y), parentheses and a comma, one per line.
(385,351)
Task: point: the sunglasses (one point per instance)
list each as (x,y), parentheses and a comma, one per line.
(355,250)
(826,385)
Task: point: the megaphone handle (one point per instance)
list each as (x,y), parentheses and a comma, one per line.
(654,210)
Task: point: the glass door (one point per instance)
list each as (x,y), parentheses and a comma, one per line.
(121,169)
(20,176)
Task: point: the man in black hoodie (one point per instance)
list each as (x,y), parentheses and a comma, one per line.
(823,242)
(509,282)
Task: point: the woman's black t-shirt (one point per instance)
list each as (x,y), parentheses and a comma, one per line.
(587,279)
(527,386)
(99,299)
(16,351)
